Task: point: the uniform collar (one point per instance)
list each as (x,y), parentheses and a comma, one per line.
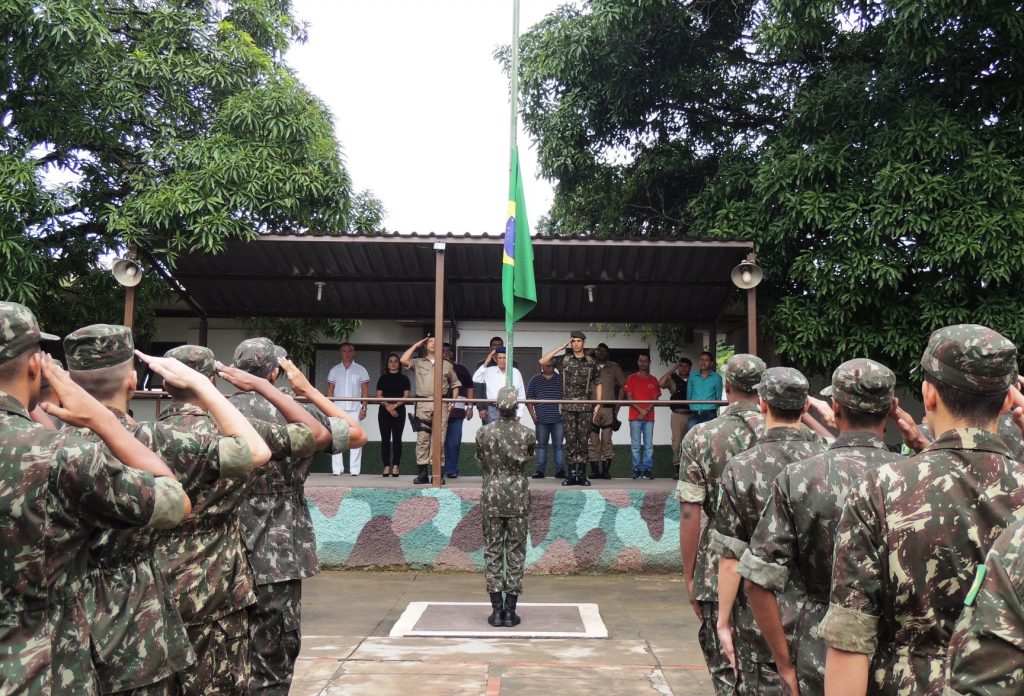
(741,407)
(11,405)
(858,439)
(971,439)
(122,416)
(181,408)
(781,435)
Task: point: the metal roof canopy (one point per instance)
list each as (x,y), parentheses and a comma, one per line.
(392,277)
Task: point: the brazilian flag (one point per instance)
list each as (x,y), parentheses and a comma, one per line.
(518,287)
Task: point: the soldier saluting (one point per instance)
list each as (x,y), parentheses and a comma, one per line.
(580,381)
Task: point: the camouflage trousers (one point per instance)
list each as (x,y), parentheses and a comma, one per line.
(275,636)
(505,553)
(222,652)
(601,441)
(577,438)
(167,686)
(425,411)
(722,675)
(759,679)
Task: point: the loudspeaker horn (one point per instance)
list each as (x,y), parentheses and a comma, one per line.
(746,275)
(127,272)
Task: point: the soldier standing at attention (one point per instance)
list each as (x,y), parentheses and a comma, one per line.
(705,451)
(204,558)
(423,385)
(580,380)
(275,521)
(503,450)
(913,532)
(137,634)
(613,384)
(793,542)
(742,494)
(44,644)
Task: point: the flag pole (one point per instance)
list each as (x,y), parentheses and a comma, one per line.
(513,128)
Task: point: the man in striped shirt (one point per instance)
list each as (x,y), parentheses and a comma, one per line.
(547,419)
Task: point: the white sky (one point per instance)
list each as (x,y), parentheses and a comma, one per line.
(421,107)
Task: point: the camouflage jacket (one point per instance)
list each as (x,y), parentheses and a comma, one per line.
(742,493)
(137,633)
(276,526)
(579,376)
(503,450)
(56,489)
(986,654)
(204,559)
(1011,435)
(909,539)
(705,451)
(794,539)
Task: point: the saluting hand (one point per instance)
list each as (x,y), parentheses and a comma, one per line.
(908,428)
(175,373)
(240,379)
(300,385)
(77,406)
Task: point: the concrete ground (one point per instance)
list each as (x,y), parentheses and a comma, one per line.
(346,617)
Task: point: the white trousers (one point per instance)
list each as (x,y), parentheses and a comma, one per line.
(355,462)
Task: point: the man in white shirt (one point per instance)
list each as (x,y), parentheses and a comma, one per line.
(492,374)
(349,378)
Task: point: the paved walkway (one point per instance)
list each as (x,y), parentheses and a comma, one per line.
(347,615)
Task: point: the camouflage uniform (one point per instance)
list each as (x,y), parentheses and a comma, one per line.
(912,533)
(705,451)
(55,490)
(278,535)
(742,493)
(139,640)
(204,559)
(986,654)
(503,450)
(794,539)
(579,375)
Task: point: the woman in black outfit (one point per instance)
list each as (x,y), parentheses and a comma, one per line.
(391,414)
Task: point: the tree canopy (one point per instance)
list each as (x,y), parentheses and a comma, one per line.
(170,124)
(881,181)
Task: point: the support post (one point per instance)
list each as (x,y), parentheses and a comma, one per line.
(752,321)
(129,307)
(204,332)
(436,443)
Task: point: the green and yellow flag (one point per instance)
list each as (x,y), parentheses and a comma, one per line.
(518,287)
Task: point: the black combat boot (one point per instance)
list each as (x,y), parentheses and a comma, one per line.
(423,477)
(581,478)
(606,469)
(594,471)
(570,478)
(511,618)
(497,617)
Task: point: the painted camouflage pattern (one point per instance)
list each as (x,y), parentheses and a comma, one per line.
(742,494)
(908,542)
(19,330)
(783,387)
(986,653)
(275,637)
(76,487)
(504,450)
(137,631)
(793,542)
(972,358)
(98,345)
(863,385)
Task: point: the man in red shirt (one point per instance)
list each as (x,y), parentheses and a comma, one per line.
(641,386)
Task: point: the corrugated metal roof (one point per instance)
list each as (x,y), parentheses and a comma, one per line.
(392,276)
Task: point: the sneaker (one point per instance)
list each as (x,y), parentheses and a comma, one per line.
(560,474)
(649,475)
(539,474)
(636,474)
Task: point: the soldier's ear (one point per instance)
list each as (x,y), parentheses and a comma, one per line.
(133,381)
(930,396)
(34,366)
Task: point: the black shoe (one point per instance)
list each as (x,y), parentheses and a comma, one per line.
(511,618)
(497,617)
(453,476)
(570,479)
(539,474)
(422,477)
(649,475)
(636,474)
(606,469)
(594,472)
(560,474)
(582,481)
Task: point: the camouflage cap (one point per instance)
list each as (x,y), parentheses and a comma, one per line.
(578,334)
(279,352)
(783,387)
(19,330)
(199,358)
(506,400)
(255,355)
(862,384)
(97,346)
(744,371)
(970,357)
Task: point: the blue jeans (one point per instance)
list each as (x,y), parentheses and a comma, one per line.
(641,435)
(452,444)
(556,432)
(701,416)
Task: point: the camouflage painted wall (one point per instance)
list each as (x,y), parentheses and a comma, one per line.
(570,531)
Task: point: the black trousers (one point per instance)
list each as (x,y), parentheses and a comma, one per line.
(391,435)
